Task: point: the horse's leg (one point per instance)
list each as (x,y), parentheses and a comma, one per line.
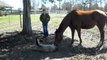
(79,35)
(73,31)
(101,29)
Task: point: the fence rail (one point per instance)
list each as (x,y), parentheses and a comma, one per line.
(13,22)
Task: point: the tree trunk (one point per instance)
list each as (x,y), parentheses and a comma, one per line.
(27,29)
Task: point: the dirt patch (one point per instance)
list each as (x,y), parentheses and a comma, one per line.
(14,46)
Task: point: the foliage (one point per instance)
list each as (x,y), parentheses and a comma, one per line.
(2,8)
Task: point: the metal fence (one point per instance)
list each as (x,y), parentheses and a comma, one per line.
(10,25)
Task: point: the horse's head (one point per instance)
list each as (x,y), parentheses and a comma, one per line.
(58,37)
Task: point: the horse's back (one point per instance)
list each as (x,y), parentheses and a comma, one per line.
(88,12)
(87,19)
(81,12)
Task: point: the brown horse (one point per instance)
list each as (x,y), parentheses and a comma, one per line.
(77,20)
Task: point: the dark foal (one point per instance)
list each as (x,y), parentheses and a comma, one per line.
(77,20)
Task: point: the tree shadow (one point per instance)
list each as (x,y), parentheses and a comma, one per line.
(64,49)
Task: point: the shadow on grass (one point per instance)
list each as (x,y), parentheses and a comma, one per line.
(64,50)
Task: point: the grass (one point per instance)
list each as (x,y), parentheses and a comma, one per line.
(9,17)
(12,22)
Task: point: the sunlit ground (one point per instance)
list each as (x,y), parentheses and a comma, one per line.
(90,39)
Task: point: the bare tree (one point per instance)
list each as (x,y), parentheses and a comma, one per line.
(78,6)
(105,7)
(95,6)
(90,4)
(54,8)
(27,29)
(52,1)
(59,4)
(67,6)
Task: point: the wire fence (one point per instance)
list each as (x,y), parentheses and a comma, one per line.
(12,24)
(9,24)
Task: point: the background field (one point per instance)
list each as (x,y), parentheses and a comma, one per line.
(12,22)
(22,44)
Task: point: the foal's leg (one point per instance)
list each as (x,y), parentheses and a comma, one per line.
(79,35)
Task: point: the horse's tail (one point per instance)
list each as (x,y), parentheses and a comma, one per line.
(106,23)
(106,19)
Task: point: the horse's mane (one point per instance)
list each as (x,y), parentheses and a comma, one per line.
(82,12)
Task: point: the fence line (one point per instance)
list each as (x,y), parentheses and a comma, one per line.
(15,26)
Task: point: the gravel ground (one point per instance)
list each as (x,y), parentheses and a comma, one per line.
(17,47)
(14,46)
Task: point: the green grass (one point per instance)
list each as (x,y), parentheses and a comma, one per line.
(8,17)
(12,22)
(34,17)
(16,17)
(3,18)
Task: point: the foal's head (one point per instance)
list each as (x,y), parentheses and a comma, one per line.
(58,37)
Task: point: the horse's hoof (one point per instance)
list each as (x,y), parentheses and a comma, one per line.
(99,48)
(79,45)
(56,49)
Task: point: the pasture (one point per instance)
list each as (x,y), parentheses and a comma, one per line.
(18,47)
